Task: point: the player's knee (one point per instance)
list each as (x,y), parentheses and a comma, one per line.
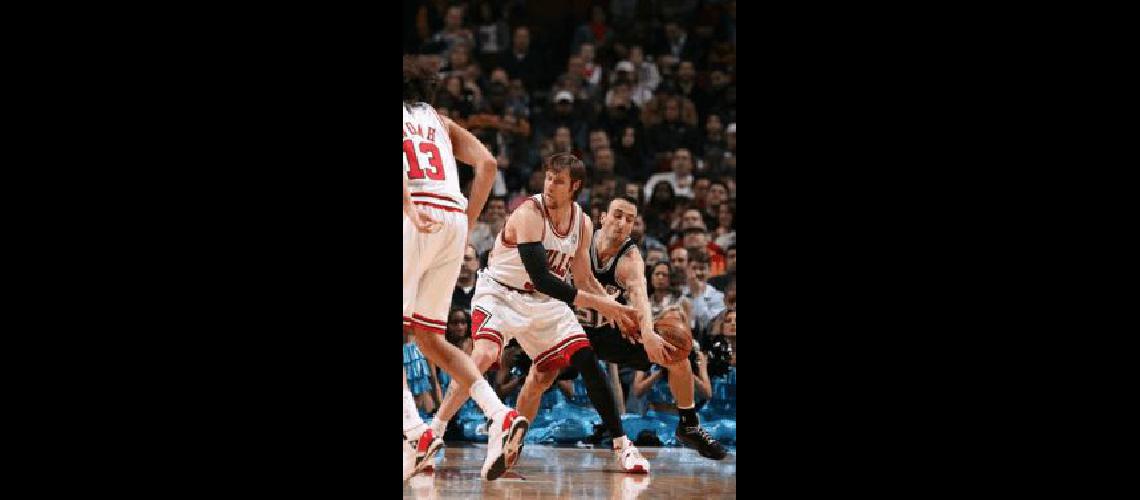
(679,365)
(541,380)
(484,354)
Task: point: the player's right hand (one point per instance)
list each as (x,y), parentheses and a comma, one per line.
(656,347)
(423,222)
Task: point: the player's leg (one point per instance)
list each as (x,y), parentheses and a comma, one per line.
(689,430)
(530,395)
(484,353)
(433,302)
(573,348)
(420,443)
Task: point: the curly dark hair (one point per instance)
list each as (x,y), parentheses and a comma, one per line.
(421,79)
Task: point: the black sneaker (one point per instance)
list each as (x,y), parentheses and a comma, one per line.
(697,437)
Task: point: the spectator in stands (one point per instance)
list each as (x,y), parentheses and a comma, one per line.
(707,301)
(658,210)
(596,31)
(632,158)
(695,237)
(489,225)
(620,111)
(598,138)
(673,133)
(648,77)
(721,282)
(453,31)
(591,70)
(728,329)
(465,285)
(679,259)
(725,232)
(677,43)
(680,178)
(459,326)
(660,290)
(563,115)
(718,194)
(521,61)
(644,242)
(491,33)
(687,87)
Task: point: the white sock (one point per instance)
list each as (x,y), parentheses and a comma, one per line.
(439,427)
(621,442)
(412,418)
(486,398)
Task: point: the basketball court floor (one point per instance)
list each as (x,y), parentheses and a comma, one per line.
(556,472)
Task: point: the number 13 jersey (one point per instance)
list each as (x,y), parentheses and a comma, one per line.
(429,160)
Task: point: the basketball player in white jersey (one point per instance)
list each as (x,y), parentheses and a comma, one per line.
(616,264)
(524,294)
(435,233)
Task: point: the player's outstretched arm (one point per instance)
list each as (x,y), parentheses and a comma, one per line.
(630,274)
(469,150)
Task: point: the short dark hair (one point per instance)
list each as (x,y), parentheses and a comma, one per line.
(558,162)
(699,257)
(628,199)
(421,79)
(730,247)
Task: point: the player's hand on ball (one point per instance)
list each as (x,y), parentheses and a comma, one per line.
(656,347)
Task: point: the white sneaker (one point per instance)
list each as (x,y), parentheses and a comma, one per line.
(419,450)
(630,460)
(504,437)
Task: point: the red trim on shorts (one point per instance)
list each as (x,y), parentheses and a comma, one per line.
(428,320)
(436,196)
(441,207)
(487,333)
(561,358)
(559,345)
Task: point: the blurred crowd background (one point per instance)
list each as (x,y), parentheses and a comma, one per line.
(644,92)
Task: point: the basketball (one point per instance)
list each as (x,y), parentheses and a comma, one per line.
(677,334)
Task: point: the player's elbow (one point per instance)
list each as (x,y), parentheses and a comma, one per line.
(486,165)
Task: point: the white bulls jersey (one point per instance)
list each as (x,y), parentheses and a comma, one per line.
(429,160)
(505,265)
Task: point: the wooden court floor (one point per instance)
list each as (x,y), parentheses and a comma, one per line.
(550,472)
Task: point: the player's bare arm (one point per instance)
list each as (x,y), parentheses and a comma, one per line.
(584,278)
(469,150)
(630,275)
(526,226)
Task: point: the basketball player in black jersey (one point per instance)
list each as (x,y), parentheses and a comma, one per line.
(618,266)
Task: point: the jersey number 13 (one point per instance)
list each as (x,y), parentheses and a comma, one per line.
(435,166)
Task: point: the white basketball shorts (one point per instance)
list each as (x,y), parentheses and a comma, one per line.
(546,328)
(431,267)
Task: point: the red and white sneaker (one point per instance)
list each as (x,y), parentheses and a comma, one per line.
(630,460)
(504,438)
(419,450)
